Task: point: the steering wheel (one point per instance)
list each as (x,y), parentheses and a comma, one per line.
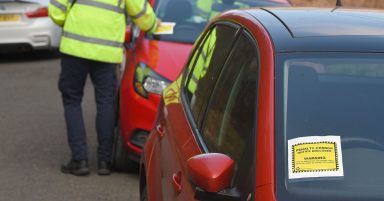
(356,142)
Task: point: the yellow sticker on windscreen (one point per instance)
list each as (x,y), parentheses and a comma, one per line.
(315,156)
(165,28)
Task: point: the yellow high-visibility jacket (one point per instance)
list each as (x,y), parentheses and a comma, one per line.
(95,29)
(203,61)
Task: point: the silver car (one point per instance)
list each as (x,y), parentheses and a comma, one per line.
(25,26)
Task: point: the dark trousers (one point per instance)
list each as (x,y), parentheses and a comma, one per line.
(74,72)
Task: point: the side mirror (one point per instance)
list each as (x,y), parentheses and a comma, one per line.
(132,33)
(128,34)
(212,173)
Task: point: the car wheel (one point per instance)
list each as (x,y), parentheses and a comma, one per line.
(120,159)
(144,194)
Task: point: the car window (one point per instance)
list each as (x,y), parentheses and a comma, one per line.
(204,68)
(229,126)
(230,115)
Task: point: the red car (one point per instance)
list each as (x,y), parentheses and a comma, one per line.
(274,104)
(153,61)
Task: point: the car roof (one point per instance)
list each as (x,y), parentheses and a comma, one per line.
(323,29)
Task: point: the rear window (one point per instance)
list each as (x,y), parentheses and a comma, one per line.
(335,96)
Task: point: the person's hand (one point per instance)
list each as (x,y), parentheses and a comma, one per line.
(158,22)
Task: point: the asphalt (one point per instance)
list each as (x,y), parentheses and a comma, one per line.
(33,141)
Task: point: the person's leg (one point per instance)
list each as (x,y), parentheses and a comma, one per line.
(103,76)
(72,79)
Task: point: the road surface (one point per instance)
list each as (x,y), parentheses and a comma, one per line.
(33,138)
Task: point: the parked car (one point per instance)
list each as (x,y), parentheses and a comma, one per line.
(25,26)
(274,104)
(152,62)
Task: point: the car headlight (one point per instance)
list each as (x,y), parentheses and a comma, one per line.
(148,81)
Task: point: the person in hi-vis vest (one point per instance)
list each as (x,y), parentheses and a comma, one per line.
(92,43)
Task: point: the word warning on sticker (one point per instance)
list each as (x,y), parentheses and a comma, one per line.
(315,156)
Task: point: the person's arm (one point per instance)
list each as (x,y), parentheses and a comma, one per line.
(142,14)
(57,11)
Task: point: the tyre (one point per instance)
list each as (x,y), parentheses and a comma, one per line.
(120,159)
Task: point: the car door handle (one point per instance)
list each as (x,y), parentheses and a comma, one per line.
(160,130)
(176,182)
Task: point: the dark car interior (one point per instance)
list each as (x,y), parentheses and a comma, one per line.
(180,12)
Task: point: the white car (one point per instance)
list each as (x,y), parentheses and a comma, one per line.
(25,26)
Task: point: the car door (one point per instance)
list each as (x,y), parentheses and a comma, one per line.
(179,143)
(229,123)
(198,124)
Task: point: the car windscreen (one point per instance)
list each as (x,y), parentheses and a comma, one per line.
(330,127)
(191,16)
